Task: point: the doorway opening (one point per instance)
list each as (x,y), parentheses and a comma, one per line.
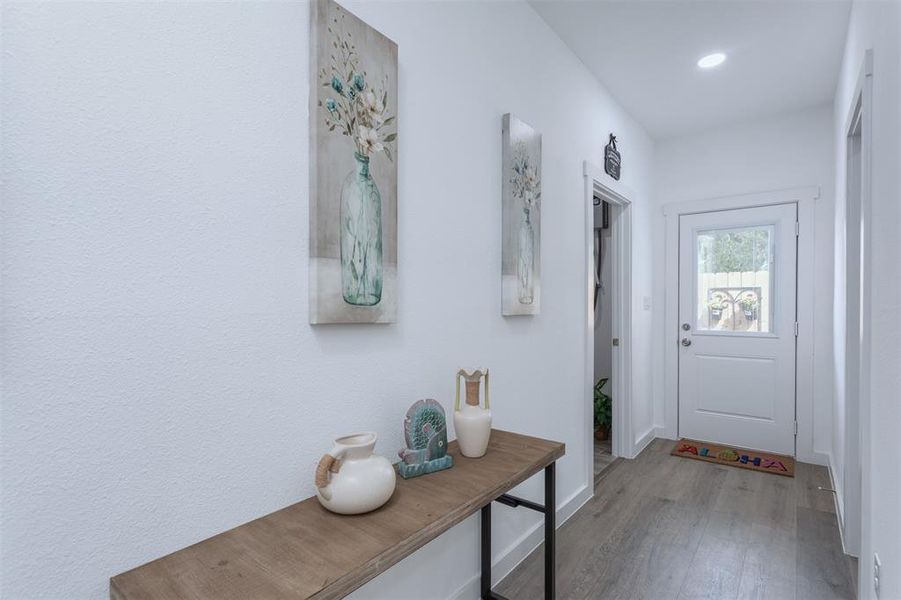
(608,255)
(604,215)
(739,314)
(738,327)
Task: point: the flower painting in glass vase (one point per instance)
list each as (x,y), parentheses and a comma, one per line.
(521,219)
(353,170)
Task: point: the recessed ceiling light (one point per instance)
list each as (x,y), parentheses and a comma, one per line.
(712,60)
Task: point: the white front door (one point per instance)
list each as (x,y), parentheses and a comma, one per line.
(737,313)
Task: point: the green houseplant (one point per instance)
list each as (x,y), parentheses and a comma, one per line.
(603,410)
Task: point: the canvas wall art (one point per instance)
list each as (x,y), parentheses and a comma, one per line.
(521,219)
(353,169)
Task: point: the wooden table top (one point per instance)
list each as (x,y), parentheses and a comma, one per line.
(304,551)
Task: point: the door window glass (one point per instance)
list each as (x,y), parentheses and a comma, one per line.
(734,279)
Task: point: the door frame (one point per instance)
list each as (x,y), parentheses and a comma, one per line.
(857,210)
(805,197)
(623,439)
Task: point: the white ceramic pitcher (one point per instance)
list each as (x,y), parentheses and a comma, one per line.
(350,479)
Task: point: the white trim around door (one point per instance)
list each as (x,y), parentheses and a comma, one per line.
(855,476)
(597,183)
(805,198)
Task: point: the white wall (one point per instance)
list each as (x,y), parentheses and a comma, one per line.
(160,382)
(876,26)
(780,152)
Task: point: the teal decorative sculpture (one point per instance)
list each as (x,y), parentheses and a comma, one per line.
(425,431)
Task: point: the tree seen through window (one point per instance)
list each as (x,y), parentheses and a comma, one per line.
(734,251)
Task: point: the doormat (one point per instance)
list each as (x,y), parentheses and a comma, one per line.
(765,462)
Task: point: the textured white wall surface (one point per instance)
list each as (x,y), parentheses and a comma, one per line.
(784,151)
(875,26)
(160,381)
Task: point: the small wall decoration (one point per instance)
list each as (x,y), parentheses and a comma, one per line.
(353,170)
(612,159)
(472,422)
(425,433)
(521,219)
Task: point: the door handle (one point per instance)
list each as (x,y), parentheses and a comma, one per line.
(686,342)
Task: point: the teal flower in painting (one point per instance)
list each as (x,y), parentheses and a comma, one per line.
(357,107)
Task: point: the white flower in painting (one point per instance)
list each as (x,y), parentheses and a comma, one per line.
(373,108)
(530,179)
(526,180)
(368,140)
(355,107)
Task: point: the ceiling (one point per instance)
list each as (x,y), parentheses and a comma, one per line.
(783,55)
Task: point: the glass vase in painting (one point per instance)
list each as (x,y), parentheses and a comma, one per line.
(361,236)
(526,263)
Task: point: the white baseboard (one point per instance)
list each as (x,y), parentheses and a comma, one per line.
(838,499)
(662,432)
(642,442)
(514,554)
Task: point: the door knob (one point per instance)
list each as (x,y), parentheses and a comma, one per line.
(686,342)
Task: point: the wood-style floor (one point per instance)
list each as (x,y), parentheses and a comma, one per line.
(603,457)
(662,527)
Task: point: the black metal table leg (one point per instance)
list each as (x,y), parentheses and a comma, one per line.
(550,535)
(550,531)
(486,553)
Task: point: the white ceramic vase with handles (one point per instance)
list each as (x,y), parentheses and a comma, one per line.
(350,479)
(472,422)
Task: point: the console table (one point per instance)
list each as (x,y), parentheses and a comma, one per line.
(304,551)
